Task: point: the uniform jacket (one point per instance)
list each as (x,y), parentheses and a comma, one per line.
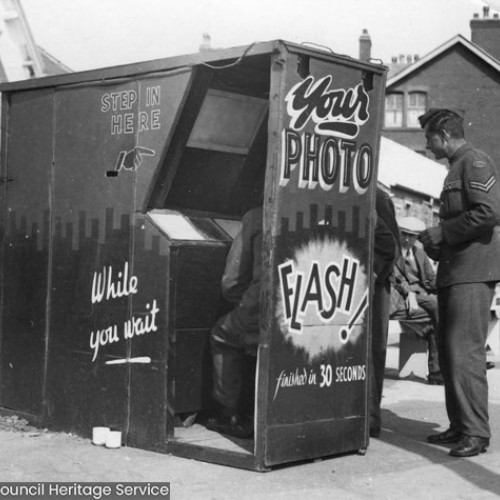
(470,218)
(425,271)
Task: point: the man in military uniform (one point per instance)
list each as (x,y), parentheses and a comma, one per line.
(467,245)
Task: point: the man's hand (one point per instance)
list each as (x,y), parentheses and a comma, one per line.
(432,237)
(411,303)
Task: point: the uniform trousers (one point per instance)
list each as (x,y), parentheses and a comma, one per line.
(464,312)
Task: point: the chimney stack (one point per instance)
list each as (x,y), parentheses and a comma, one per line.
(206,42)
(365,46)
(485,32)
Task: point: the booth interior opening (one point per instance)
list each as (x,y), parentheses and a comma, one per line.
(213,173)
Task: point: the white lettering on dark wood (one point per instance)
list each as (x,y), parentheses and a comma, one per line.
(108,285)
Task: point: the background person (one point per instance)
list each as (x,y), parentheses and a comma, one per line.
(386,251)
(415,281)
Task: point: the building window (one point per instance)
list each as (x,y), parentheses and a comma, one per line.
(403,109)
(417,105)
(394,110)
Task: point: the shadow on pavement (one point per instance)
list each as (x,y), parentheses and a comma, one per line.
(411,435)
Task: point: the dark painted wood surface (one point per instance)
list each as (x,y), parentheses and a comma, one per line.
(106,320)
(25,254)
(313,365)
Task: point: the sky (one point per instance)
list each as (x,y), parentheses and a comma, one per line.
(87,34)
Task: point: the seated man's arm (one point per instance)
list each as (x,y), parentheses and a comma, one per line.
(429,278)
(240,262)
(237,274)
(400,282)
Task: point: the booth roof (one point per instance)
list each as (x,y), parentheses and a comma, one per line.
(215,57)
(399,165)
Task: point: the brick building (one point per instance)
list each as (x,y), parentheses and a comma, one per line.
(460,74)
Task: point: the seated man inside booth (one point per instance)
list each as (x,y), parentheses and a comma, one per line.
(236,334)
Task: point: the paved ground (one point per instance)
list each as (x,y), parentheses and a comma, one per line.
(399,465)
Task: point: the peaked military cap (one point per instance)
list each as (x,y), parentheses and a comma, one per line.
(433,112)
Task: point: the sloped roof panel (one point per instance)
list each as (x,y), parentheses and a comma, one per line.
(458,39)
(399,165)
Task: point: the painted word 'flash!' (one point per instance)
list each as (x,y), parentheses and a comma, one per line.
(322,297)
(327,290)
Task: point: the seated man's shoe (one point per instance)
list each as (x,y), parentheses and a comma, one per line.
(490,365)
(448,436)
(470,446)
(234,425)
(435,378)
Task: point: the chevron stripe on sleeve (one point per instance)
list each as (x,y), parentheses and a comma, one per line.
(483,186)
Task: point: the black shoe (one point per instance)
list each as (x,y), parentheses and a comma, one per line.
(448,436)
(490,365)
(470,446)
(234,425)
(435,378)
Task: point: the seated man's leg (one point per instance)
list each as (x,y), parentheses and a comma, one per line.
(435,377)
(233,335)
(429,304)
(227,367)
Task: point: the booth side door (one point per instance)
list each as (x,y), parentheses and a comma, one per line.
(324,137)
